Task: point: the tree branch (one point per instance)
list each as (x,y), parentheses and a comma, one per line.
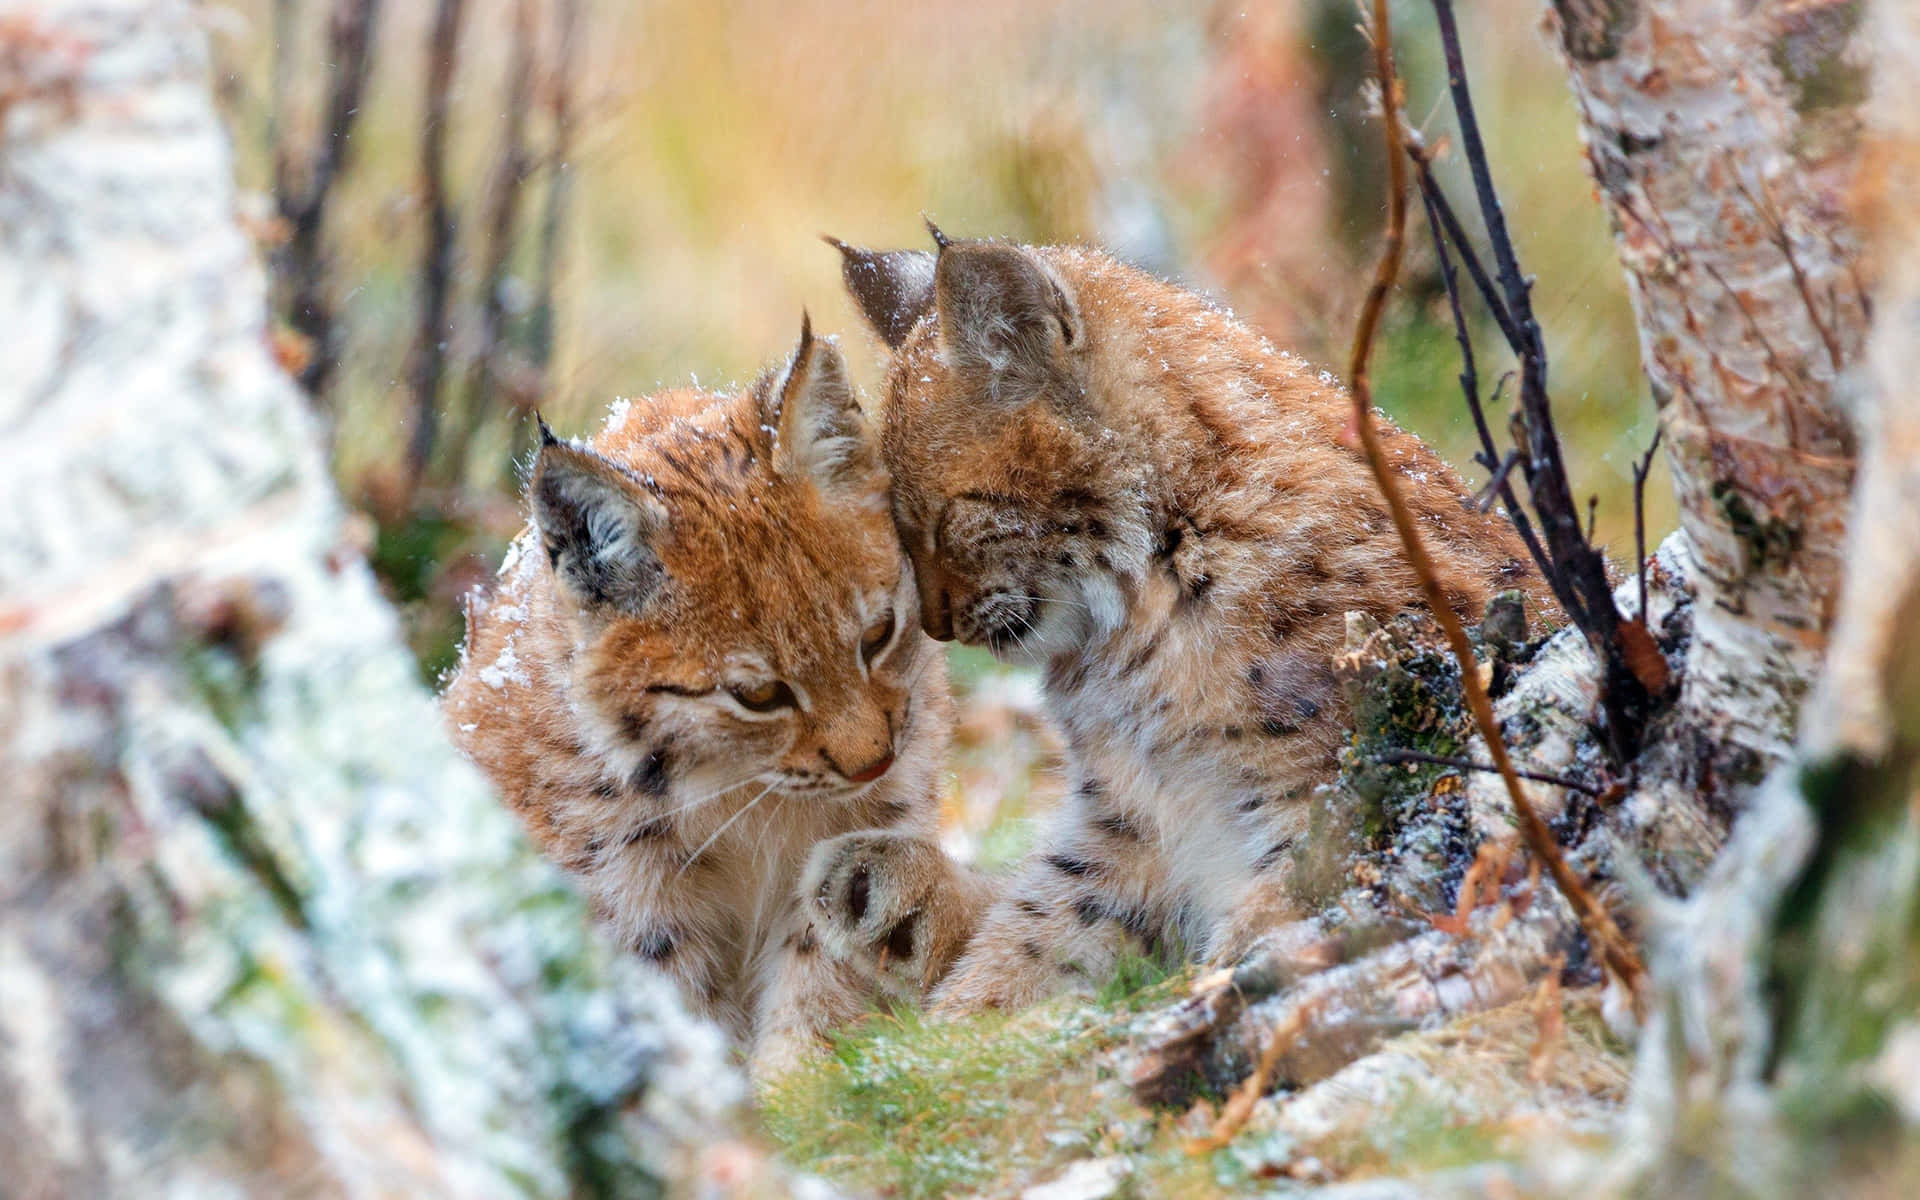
(436,265)
(1609,942)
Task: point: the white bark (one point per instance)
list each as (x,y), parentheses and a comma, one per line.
(260,928)
(1721,134)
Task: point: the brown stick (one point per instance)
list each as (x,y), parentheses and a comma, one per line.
(301,264)
(553,217)
(436,266)
(1612,945)
(1393,758)
(502,222)
(1641,470)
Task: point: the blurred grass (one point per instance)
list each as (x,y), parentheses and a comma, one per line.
(1227,146)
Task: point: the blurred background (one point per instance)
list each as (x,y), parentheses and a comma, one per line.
(472,208)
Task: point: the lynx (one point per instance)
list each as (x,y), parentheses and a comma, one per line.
(700,682)
(1108,476)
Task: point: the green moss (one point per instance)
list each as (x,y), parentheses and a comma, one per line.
(1811,54)
(1767,538)
(910,1106)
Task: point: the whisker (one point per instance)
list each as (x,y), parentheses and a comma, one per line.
(724,826)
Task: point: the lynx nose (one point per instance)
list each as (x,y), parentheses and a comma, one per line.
(872,770)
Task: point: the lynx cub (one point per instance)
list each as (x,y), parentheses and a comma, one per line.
(1104,474)
(699,679)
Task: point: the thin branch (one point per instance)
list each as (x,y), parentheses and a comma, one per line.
(1394,758)
(1641,470)
(436,266)
(1625,701)
(566,65)
(1445,219)
(1611,944)
(501,224)
(1434,203)
(1487,496)
(303,206)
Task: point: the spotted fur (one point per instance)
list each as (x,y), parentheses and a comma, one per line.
(699,677)
(1106,475)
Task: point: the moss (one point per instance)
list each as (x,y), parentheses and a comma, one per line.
(1811,54)
(1767,538)
(1591,32)
(913,1107)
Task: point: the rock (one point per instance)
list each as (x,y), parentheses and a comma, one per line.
(1088,1179)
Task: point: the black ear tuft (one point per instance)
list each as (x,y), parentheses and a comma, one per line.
(546,433)
(893,288)
(597,525)
(939,239)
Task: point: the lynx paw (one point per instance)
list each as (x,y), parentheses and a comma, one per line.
(867,893)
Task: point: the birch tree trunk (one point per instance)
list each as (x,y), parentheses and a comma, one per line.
(1785,1055)
(1722,135)
(261,930)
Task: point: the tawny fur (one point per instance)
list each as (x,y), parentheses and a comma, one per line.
(1107,475)
(701,543)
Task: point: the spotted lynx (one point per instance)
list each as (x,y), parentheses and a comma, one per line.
(1104,474)
(700,682)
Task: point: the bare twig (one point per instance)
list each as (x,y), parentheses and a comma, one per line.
(1390,758)
(502,220)
(1486,497)
(566,64)
(1443,226)
(302,203)
(1641,470)
(1577,569)
(436,266)
(1609,942)
(1239,1106)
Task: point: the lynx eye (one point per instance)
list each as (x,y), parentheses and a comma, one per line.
(877,636)
(764,697)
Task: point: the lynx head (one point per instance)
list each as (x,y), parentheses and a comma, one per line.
(1026,528)
(740,608)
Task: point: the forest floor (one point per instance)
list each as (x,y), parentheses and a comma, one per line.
(1001,1103)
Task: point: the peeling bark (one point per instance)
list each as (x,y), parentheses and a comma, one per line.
(261,930)
(1723,140)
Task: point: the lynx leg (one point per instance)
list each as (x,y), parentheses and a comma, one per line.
(894,905)
(810,993)
(1095,889)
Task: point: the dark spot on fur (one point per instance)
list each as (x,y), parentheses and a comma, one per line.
(655,945)
(633,726)
(1275,727)
(1144,655)
(1233,733)
(650,777)
(1066,560)
(607,789)
(1031,908)
(859,888)
(1115,825)
(1032,950)
(1067,864)
(646,831)
(900,939)
(1272,854)
(1090,911)
(804,942)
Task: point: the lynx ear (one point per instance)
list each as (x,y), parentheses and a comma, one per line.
(823,435)
(1004,311)
(597,524)
(894,288)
